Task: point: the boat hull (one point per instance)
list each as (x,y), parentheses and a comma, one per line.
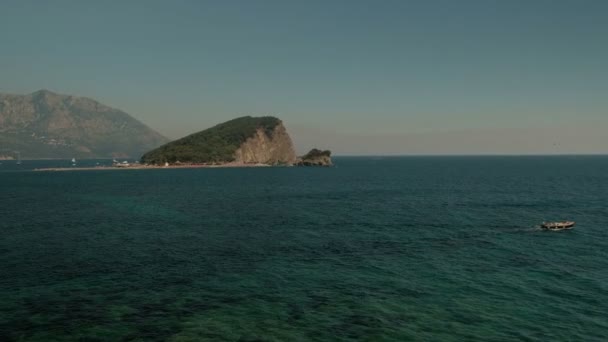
(557,225)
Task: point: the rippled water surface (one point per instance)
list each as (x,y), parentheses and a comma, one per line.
(436,248)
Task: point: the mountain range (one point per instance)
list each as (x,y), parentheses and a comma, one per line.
(45,124)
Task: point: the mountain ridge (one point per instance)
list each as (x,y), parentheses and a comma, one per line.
(46,124)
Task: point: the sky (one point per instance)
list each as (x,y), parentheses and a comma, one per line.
(357,77)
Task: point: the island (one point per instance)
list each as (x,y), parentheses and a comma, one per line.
(242,141)
(315,157)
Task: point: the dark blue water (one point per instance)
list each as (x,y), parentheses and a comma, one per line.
(435,249)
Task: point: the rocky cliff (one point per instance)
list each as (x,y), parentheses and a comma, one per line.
(49,125)
(267,147)
(245,140)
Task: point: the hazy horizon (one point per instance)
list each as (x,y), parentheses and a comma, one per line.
(356,77)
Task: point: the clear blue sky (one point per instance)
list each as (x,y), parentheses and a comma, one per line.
(359,77)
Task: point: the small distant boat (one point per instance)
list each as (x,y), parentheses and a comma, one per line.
(558,225)
(18,158)
(73,161)
(123,164)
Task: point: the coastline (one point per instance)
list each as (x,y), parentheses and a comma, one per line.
(150,167)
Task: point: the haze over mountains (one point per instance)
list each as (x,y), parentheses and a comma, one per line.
(44,124)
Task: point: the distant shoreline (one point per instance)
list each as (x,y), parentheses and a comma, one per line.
(381,155)
(150,167)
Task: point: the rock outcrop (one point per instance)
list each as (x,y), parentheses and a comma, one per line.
(315,158)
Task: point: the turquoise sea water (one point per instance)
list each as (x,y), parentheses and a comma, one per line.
(376,249)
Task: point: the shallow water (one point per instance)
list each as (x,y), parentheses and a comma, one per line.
(415,248)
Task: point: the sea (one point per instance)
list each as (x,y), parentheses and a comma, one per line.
(373,249)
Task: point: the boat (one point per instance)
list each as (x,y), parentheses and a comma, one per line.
(123,164)
(73,161)
(18,158)
(558,225)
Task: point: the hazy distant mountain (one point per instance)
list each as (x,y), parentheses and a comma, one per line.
(48,125)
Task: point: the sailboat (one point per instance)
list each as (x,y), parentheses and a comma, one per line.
(18,157)
(73,161)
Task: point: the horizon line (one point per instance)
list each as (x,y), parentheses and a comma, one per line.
(388,156)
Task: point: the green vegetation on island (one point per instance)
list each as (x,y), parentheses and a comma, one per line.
(217,144)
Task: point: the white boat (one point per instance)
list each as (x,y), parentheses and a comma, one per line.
(74,161)
(558,225)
